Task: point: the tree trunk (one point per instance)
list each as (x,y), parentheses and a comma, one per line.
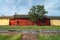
(42,22)
(35,23)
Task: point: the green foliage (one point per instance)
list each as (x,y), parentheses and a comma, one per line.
(37,13)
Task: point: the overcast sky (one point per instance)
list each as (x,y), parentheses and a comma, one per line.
(9,7)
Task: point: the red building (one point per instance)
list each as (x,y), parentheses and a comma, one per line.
(45,22)
(22,20)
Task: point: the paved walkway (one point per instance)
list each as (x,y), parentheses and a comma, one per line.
(31,31)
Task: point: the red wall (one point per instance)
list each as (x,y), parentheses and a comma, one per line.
(47,22)
(21,21)
(27,22)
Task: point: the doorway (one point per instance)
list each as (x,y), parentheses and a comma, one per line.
(17,23)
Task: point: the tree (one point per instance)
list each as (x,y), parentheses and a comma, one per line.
(37,13)
(15,13)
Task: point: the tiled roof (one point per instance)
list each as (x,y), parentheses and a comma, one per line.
(54,17)
(26,16)
(6,17)
(21,16)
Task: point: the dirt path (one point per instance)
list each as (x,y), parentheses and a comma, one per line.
(29,36)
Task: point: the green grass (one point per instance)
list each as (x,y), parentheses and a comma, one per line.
(31,27)
(40,37)
(10,37)
(49,37)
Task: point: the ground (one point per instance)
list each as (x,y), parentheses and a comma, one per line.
(40,36)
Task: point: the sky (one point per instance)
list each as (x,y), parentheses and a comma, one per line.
(9,7)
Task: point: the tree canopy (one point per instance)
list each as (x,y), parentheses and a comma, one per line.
(37,13)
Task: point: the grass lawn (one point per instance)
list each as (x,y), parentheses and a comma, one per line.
(31,27)
(49,37)
(10,37)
